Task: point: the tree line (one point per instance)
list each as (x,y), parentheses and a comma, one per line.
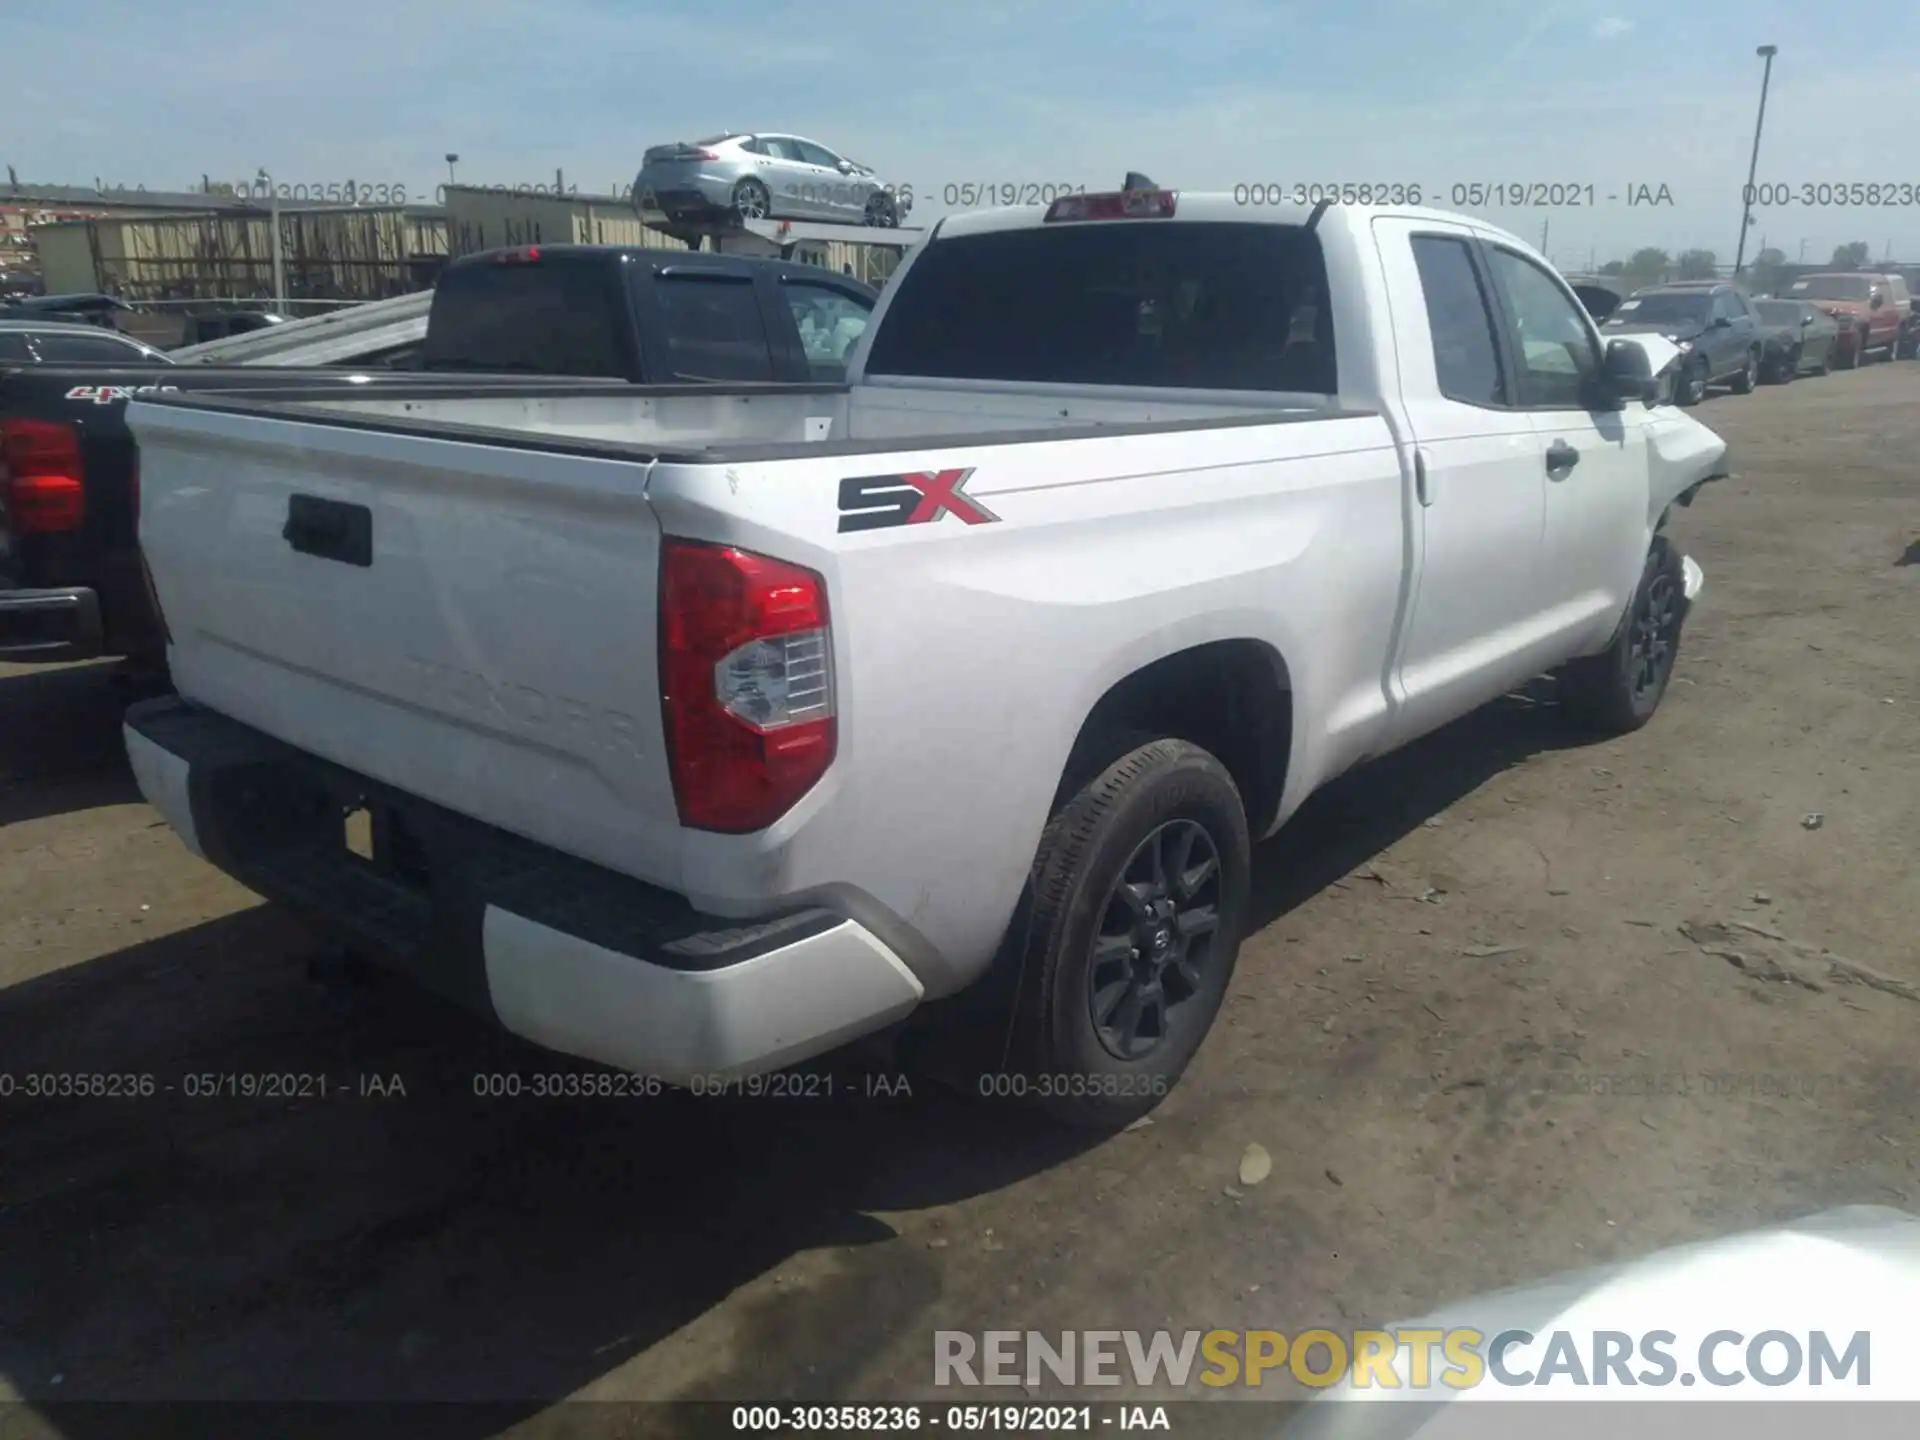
(1769,271)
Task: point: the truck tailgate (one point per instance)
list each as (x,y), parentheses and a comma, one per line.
(474,624)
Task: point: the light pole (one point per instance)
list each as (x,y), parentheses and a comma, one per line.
(1765,52)
(273,227)
(452,160)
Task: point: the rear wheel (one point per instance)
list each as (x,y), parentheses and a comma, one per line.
(881,210)
(1138,896)
(751,200)
(1749,375)
(1619,689)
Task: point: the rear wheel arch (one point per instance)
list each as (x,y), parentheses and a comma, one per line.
(1232,698)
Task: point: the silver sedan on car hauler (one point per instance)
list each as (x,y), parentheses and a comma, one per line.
(765,177)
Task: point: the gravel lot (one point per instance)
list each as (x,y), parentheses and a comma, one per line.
(1531,1068)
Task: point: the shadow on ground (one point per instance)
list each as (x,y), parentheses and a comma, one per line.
(350,1241)
(1368,810)
(60,745)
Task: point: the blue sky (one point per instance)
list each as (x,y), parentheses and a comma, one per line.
(1611,93)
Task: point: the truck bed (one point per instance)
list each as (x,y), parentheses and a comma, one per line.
(715,424)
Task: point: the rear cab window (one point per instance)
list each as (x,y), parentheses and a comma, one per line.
(542,317)
(1195,305)
(710,327)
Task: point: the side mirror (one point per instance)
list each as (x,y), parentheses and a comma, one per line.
(1877,302)
(1805,321)
(1625,374)
(1721,322)
(847,167)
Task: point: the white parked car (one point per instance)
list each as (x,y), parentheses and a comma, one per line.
(706,729)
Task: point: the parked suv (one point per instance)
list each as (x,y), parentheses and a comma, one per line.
(1863,304)
(1713,324)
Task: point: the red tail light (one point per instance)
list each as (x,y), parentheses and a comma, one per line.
(43,476)
(746,676)
(525,255)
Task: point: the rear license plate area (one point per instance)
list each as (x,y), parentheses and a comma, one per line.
(378,836)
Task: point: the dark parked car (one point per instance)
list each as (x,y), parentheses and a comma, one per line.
(1800,338)
(61,342)
(1713,324)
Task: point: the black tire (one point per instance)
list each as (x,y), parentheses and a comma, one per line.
(1690,385)
(881,211)
(1749,375)
(1618,690)
(1790,367)
(1131,936)
(751,200)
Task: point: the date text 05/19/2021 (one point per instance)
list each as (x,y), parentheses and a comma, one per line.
(1460,195)
(959,1419)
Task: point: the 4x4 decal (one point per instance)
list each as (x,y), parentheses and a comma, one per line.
(108,394)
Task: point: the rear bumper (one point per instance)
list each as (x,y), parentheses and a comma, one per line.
(58,624)
(561,952)
(687,195)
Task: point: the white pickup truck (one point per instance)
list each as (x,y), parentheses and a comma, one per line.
(702,730)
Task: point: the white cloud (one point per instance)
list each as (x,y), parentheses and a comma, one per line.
(1612,27)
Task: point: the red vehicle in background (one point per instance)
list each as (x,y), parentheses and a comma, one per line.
(1871,317)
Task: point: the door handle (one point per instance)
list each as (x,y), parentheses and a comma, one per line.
(1561,458)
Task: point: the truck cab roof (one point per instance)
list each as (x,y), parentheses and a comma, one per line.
(652,258)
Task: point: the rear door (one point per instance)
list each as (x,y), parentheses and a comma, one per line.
(1745,333)
(1479,478)
(1594,459)
(791,179)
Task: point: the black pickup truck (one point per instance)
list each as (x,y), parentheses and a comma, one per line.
(71,582)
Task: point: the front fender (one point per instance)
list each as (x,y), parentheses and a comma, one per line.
(1682,455)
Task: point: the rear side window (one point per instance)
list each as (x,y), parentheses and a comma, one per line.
(713,329)
(1466,357)
(537,318)
(1154,303)
(830,322)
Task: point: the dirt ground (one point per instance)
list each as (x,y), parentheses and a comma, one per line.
(1469,1030)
